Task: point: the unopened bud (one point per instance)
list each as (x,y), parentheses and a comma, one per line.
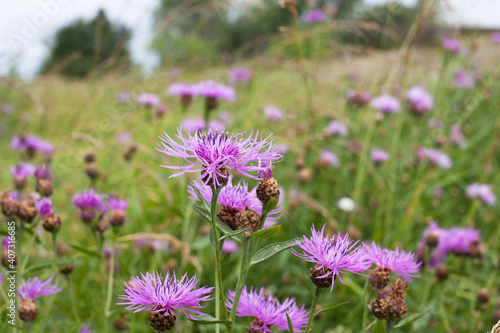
(28,310)
(247,218)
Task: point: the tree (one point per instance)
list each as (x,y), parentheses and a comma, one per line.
(84,46)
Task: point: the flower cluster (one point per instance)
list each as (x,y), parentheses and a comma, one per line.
(268,311)
(31,144)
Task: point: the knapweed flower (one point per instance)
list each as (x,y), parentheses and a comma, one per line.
(184,90)
(419,100)
(327,158)
(124,137)
(31,144)
(43,172)
(379,156)
(33,288)
(495,37)
(481,191)
(20,172)
(213,92)
(456,136)
(2,280)
(336,128)
(387,261)
(229,246)
(435,157)
(87,203)
(451,45)
(464,79)
(283,148)
(386,104)
(118,208)
(163,296)
(7,109)
(239,75)
(148,100)
(234,199)
(44,206)
(358,97)
(267,311)
(50,220)
(198,125)
(332,256)
(216,153)
(313,16)
(346,204)
(272,113)
(85,329)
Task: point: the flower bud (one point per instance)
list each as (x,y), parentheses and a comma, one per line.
(247,218)
(28,311)
(321,282)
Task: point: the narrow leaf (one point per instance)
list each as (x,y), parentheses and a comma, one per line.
(202,211)
(413,317)
(84,250)
(208,319)
(225,258)
(201,197)
(223,227)
(233,233)
(268,232)
(270,250)
(271,204)
(329,308)
(290,326)
(307,284)
(46,264)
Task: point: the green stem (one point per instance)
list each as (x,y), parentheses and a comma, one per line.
(219,290)
(110,279)
(471,213)
(389,326)
(365,307)
(317,293)
(54,248)
(245,258)
(72,300)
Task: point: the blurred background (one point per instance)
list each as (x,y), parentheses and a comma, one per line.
(41,36)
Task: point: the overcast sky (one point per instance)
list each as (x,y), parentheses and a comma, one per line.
(28,26)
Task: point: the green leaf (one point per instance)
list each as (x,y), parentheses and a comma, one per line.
(270,250)
(379,327)
(225,258)
(330,308)
(223,227)
(84,250)
(46,264)
(233,233)
(271,204)
(201,197)
(18,327)
(268,232)
(208,319)
(290,326)
(413,317)
(202,211)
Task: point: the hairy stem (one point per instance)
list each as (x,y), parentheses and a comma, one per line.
(317,293)
(245,258)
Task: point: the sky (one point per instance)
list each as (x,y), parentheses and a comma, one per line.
(27,27)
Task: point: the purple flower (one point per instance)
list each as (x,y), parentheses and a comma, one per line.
(456,136)
(85,329)
(152,292)
(43,172)
(117,204)
(398,261)
(34,288)
(358,97)
(420,100)
(337,254)
(481,191)
(32,143)
(123,97)
(174,72)
(451,45)
(22,170)
(239,75)
(336,128)
(181,89)
(272,113)
(379,156)
(436,157)
(229,246)
(268,310)
(386,104)
(464,79)
(198,125)
(235,197)
(495,37)
(434,123)
(327,158)
(88,202)
(211,89)
(44,206)
(124,137)
(7,109)
(283,148)
(216,152)
(2,280)
(149,100)
(225,117)
(313,16)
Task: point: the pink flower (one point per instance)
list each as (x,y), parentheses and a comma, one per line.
(272,113)
(386,104)
(451,45)
(481,191)
(336,128)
